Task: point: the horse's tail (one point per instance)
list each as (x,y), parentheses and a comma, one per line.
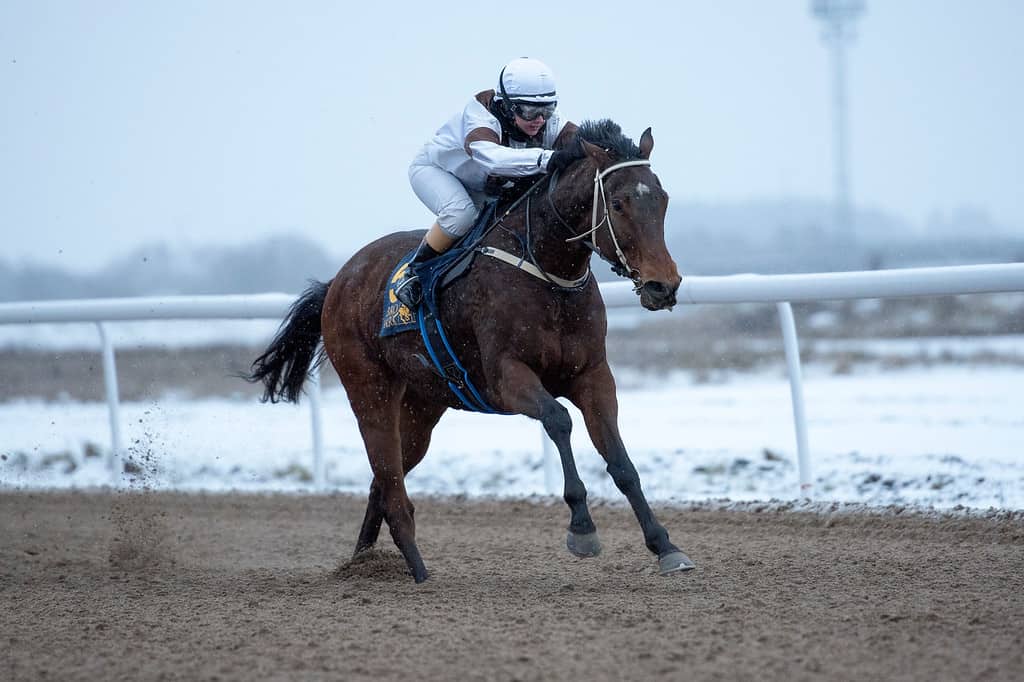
(284,365)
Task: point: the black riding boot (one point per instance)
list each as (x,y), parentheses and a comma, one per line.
(408,289)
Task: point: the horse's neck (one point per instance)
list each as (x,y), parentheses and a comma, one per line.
(544,236)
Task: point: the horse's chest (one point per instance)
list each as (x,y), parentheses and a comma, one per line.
(553,340)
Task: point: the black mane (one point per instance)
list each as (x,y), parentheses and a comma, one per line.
(608,135)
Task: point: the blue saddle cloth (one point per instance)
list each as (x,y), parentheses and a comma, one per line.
(397,316)
(434,275)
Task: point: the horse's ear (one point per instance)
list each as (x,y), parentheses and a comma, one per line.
(596,153)
(646,144)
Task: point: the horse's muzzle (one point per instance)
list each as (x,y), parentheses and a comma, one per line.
(658,295)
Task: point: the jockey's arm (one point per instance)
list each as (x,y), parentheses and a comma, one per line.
(505,161)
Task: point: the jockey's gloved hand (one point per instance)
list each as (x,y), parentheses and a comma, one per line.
(563,158)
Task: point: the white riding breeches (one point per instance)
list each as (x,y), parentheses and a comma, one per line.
(444,194)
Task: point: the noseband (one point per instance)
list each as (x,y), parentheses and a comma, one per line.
(621,267)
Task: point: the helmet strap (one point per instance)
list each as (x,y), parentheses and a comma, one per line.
(501,84)
(507,117)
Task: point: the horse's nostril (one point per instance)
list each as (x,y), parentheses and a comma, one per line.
(663,290)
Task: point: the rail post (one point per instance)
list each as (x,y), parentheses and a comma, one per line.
(114,463)
(796,391)
(313,391)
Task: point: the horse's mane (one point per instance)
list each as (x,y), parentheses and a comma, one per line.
(608,135)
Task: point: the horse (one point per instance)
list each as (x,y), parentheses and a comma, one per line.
(525,336)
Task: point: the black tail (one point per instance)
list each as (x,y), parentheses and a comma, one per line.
(284,365)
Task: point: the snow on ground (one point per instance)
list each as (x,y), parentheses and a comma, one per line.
(944,436)
(934,348)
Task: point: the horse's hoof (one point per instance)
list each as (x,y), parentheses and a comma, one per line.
(420,577)
(583,545)
(675,562)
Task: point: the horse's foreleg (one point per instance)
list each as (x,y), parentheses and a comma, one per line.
(417,423)
(521,391)
(594,394)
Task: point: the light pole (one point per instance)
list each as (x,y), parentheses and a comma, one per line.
(838,17)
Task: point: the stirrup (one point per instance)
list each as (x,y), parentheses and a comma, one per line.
(409,291)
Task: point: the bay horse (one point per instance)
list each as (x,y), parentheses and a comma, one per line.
(524,337)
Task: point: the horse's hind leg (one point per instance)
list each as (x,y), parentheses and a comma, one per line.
(374,516)
(521,391)
(417,422)
(594,394)
(376,401)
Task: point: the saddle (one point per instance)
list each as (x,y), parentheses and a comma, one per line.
(435,275)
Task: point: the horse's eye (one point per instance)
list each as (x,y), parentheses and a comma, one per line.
(617,205)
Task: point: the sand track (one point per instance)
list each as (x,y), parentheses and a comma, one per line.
(144,586)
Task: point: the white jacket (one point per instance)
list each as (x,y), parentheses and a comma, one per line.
(471,147)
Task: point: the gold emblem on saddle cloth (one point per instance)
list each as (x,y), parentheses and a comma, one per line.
(397,312)
(394,280)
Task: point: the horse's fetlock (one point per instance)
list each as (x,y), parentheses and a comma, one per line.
(575,495)
(657,540)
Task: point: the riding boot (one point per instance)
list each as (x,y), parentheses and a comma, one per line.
(408,289)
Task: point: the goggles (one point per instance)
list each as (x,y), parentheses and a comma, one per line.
(530,111)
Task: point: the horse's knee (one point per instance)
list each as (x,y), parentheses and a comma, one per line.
(556,421)
(624,474)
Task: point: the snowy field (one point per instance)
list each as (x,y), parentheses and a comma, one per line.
(947,436)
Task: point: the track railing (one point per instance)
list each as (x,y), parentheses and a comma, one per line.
(749,288)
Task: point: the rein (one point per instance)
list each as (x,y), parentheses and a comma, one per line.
(528,262)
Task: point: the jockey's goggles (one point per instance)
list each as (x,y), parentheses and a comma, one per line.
(530,111)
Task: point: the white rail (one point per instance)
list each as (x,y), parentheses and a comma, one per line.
(256,306)
(749,288)
(825,286)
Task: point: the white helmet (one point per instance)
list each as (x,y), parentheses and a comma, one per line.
(527,80)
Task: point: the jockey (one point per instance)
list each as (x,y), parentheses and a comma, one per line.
(509,132)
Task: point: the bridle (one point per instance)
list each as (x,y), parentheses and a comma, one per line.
(528,262)
(622,266)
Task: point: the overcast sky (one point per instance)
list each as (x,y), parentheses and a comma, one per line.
(124,123)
